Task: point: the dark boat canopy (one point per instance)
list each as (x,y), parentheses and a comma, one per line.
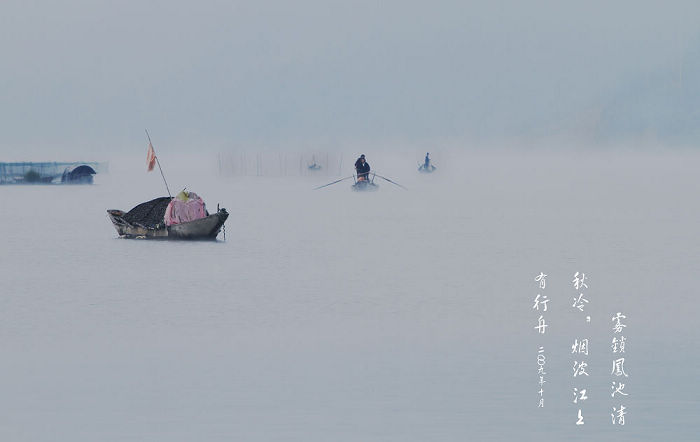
(83,170)
(150,213)
(81,174)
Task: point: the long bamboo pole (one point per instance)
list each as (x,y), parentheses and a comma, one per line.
(159,168)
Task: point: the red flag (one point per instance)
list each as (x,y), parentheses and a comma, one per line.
(151,157)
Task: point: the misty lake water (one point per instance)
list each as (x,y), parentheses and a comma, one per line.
(332,315)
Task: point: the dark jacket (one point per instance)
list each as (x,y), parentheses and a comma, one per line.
(362,169)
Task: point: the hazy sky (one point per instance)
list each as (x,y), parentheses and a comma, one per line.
(92,74)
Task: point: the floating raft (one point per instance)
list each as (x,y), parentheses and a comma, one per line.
(50,172)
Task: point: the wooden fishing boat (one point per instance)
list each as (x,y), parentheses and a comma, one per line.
(146,221)
(364,186)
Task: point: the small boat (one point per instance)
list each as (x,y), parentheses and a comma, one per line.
(147,221)
(365,186)
(427,166)
(79,175)
(314,166)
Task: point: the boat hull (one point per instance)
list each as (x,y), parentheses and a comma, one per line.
(206,228)
(364,186)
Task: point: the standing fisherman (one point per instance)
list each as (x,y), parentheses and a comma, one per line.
(362,168)
(426,166)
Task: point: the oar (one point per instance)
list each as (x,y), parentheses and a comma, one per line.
(392,182)
(336,181)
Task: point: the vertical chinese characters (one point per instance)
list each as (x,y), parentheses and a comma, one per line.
(580,347)
(540,304)
(618,368)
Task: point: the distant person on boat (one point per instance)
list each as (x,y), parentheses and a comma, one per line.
(427,165)
(362,168)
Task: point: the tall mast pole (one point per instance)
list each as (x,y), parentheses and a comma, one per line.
(159,168)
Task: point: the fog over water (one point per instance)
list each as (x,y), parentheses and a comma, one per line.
(564,137)
(330,314)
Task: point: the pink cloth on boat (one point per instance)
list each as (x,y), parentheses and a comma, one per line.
(179,211)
